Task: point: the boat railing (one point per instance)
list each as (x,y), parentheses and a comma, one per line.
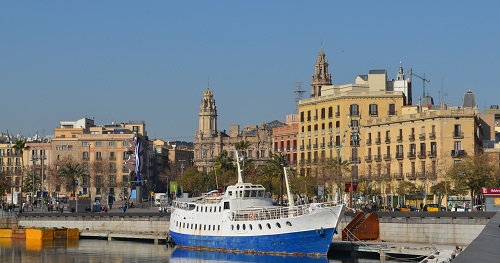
(278,212)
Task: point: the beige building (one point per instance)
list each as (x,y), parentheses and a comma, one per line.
(372,124)
(103,151)
(285,140)
(209,142)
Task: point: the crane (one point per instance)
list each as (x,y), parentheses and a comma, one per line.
(423,80)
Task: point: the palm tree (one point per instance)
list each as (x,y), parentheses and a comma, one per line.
(273,169)
(20,146)
(72,172)
(224,162)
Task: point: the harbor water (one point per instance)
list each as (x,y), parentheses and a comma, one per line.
(95,251)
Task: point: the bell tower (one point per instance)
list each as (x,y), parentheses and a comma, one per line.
(207,126)
(321,77)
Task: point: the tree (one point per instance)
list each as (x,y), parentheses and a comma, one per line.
(20,146)
(224,162)
(273,168)
(72,172)
(406,188)
(4,183)
(442,189)
(337,169)
(474,172)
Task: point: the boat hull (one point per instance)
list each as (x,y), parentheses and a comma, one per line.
(311,242)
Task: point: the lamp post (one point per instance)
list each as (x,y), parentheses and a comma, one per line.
(42,160)
(355,138)
(34,158)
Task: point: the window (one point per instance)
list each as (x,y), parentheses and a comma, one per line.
(98,155)
(85,144)
(330,112)
(354,110)
(135,128)
(250,153)
(112,143)
(373,110)
(457,146)
(262,153)
(125,144)
(98,144)
(323,113)
(392,109)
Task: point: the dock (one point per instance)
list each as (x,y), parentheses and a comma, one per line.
(156,238)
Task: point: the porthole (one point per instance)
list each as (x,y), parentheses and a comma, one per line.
(250,226)
(260,226)
(244,227)
(278,225)
(213,227)
(232,227)
(238,227)
(218,227)
(288,223)
(208,227)
(268,226)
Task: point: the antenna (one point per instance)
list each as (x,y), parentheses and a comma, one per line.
(298,94)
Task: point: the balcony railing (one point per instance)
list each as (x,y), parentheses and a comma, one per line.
(421,155)
(368,141)
(387,157)
(398,176)
(388,140)
(377,140)
(377,158)
(411,155)
(368,158)
(432,135)
(391,112)
(421,136)
(420,175)
(315,146)
(458,153)
(399,156)
(411,176)
(431,154)
(411,137)
(400,138)
(431,175)
(337,114)
(112,158)
(458,135)
(322,145)
(354,160)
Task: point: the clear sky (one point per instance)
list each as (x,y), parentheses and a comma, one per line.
(151,60)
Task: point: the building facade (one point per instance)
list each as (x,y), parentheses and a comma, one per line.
(285,140)
(209,142)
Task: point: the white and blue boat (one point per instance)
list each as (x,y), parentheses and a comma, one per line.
(244,219)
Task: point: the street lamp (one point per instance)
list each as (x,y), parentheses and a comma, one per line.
(355,139)
(34,158)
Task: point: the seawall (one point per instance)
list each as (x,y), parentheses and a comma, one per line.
(446,228)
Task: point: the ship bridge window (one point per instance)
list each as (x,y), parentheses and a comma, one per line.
(191,206)
(260,193)
(247,193)
(253,193)
(226,205)
(230,193)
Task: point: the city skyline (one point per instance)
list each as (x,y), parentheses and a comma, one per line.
(151,62)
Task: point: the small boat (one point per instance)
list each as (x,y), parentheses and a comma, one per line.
(244,219)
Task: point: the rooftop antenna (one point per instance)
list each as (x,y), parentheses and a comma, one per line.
(298,94)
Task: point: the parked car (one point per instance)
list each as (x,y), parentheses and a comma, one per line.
(434,208)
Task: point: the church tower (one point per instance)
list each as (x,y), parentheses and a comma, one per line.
(321,77)
(207,126)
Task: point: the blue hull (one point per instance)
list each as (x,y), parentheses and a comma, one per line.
(308,242)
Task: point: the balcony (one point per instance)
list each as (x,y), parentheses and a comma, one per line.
(337,114)
(411,137)
(388,140)
(431,154)
(387,157)
(400,138)
(420,176)
(391,112)
(322,145)
(85,158)
(308,147)
(368,141)
(330,144)
(411,155)
(411,176)
(398,176)
(377,177)
(458,153)
(368,158)
(431,176)
(377,140)
(354,160)
(315,146)
(421,155)
(112,170)
(458,135)
(301,147)
(112,158)
(399,156)
(432,135)
(421,136)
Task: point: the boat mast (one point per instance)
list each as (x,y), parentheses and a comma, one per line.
(289,194)
(240,177)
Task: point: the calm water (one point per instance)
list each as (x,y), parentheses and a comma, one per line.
(94,251)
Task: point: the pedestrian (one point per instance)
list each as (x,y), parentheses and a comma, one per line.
(421,206)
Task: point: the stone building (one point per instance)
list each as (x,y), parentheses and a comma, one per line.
(210,142)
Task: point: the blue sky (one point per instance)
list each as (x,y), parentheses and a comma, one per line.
(151,60)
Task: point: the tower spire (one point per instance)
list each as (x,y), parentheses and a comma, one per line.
(321,76)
